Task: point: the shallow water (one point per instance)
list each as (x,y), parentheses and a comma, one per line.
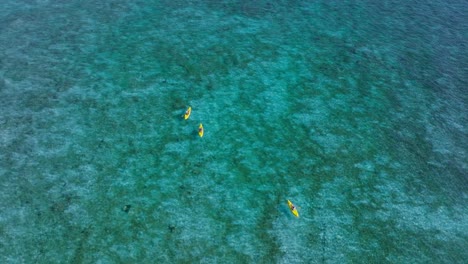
(356,112)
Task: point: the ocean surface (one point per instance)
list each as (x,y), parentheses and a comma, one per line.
(356,111)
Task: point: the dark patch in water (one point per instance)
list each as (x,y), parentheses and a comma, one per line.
(171,228)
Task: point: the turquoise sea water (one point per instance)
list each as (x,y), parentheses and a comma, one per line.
(354,110)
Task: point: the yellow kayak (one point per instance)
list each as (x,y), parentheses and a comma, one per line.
(187,113)
(200,130)
(293,209)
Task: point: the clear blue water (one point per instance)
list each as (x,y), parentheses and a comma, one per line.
(354,110)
